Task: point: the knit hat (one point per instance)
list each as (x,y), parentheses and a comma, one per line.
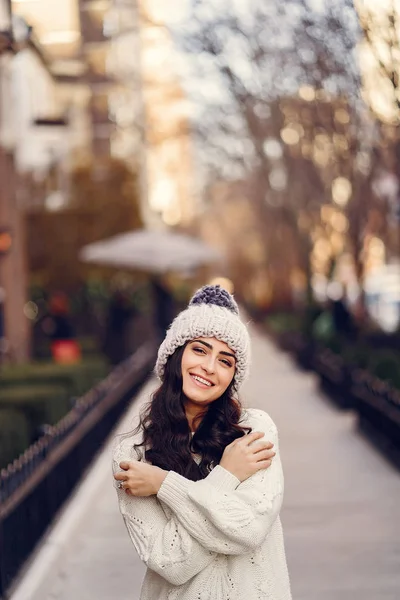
(212,312)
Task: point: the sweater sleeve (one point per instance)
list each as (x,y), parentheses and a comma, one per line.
(162,543)
(224,515)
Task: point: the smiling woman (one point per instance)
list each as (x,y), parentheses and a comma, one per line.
(208,368)
(200,491)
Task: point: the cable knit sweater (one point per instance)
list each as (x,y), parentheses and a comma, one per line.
(214,539)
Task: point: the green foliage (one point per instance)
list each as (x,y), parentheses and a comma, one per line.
(283,322)
(357,355)
(14,435)
(323,328)
(311,313)
(42,404)
(76,379)
(382,362)
(42,392)
(336,344)
(386,365)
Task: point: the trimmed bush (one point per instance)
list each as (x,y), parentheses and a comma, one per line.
(42,392)
(40,404)
(336,344)
(75,378)
(386,366)
(14,435)
(283,322)
(357,356)
(322,328)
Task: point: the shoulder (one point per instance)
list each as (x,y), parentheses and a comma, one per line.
(123,449)
(258,419)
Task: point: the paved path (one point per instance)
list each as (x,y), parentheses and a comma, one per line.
(341,513)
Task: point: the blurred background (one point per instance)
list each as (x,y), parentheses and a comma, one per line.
(149,147)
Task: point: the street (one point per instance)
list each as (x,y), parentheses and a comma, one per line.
(340,516)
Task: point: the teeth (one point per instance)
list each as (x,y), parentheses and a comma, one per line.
(201,380)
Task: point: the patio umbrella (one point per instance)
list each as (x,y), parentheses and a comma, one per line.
(152,251)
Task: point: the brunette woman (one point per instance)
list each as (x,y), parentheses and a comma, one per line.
(200,481)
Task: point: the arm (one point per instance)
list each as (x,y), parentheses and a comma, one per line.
(162,543)
(224,515)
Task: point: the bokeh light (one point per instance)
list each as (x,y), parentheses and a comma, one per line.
(341,191)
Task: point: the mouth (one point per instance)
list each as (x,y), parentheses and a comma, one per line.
(201,381)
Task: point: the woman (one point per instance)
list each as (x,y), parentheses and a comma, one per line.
(201,491)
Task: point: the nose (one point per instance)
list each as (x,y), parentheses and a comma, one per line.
(208,365)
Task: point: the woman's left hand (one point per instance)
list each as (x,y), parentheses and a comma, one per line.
(140,479)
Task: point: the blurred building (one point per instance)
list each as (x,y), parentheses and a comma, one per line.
(93,52)
(113,62)
(87,78)
(167,110)
(30,140)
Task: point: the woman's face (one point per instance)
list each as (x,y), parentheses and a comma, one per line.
(208,367)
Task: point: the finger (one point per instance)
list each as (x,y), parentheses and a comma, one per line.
(251,437)
(121,476)
(260,446)
(264,464)
(124,465)
(265,455)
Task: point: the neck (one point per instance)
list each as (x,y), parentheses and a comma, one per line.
(192,412)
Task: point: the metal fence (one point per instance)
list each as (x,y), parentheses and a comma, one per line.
(35,486)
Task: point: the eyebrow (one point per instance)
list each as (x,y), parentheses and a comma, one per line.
(210,347)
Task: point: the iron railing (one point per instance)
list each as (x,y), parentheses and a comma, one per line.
(35,486)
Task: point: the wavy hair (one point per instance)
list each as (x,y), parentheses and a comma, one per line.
(167,440)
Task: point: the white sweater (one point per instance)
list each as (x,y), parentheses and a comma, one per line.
(214,539)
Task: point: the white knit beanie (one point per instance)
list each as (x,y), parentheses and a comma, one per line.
(212,312)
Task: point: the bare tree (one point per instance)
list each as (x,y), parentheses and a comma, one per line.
(381,29)
(279,94)
(381,32)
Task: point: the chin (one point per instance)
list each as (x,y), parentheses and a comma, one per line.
(201,396)
(195,396)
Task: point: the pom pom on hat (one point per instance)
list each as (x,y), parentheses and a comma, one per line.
(212,312)
(215,294)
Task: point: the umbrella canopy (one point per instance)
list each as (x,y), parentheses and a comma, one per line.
(153,251)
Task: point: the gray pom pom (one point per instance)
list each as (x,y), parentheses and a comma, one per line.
(215,294)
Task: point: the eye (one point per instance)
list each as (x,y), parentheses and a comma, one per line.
(198,350)
(226,362)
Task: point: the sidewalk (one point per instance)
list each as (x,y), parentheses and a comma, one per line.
(341,514)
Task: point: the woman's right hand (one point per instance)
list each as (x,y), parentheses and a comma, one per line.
(242,458)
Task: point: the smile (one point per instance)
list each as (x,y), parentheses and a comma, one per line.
(200,381)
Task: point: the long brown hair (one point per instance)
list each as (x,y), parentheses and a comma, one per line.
(167,440)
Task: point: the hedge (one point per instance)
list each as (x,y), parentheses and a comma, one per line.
(75,378)
(382,362)
(41,404)
(14,435)
(40,393)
